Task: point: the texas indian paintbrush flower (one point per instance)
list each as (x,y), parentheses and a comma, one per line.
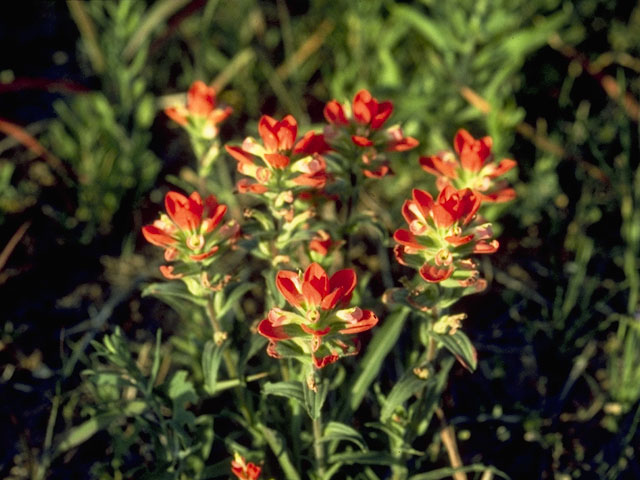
(200,116)
(244,470)
(362,127)
(280,162)
(188,232)
(321,328)
(474,168)
(442,235)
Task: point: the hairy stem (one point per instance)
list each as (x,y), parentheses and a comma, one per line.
(218,333)
(318,446)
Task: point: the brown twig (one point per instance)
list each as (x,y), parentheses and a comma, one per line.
(311,44)
(13,243)
(448,436)
(30,83)
(21,135)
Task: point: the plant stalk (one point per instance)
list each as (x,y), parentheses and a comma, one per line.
(318,447)
(217,332)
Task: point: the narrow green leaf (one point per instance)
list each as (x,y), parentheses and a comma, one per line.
(460,345)
(155,16)
(156,362)
(340,431)
(217,470)
(234,297)
(382,343)
(172,289)
(285,389)
(430,30)
(279,449)
(447,472)
(401,391)
(83,432)
(426,408)
(211,359)
(313,401)
(365,458)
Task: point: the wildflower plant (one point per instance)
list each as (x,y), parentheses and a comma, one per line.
(190,236)
(474,167)
(319,310)
(320,330)
(201,117)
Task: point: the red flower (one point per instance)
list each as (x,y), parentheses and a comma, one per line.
(317,328)
(201,110)
(243,470)
(187,231)
(368,111)
(364,129)
(281,157)
(442,233)
(316,289)
(321,243)
(473,168)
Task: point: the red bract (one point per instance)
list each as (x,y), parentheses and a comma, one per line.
(368,111)
(316,289)
(320,323)
(284,163)
(363,128)
(474,168)
(186,232)
(200,114)
(243,470)
(442,233)
(278,136)
(321,243)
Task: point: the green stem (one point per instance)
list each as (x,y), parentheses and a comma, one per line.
(218,332)
(318,447)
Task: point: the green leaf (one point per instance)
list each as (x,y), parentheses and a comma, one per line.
(168,290)
(447,472)
(181,392)
(340,431)
(430,30)
(365,458)
(381,344)
(181,389)
(234,297)
(217,470)
(211,359)
(83,432)
(460,345)
(421,417)
(401,391)
(285,389)
(156,362)
(313,401)
(278,446)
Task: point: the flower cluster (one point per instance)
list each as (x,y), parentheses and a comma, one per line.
(282,163)
(442,234)
(362,127)
(200,116)
(320,327)
(244,470)
(474,168)
(188,231)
